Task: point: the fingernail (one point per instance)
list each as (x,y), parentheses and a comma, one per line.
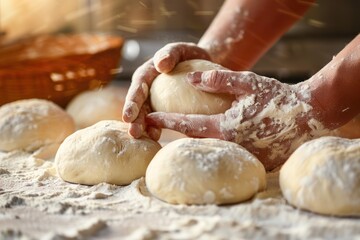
(194,77)
(131,111)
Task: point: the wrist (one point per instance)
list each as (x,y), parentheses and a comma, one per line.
(244,30)
(334,100)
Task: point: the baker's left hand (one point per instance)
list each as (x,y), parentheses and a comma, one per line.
(269,118)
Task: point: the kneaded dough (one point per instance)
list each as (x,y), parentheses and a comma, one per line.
(323,176)
(93,106)
(204,171)
(33,123)
(104,152)
(170,92)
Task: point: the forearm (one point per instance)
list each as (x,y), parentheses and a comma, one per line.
(244,30)
(336,87)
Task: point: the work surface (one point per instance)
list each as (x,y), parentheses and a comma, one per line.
(36,204)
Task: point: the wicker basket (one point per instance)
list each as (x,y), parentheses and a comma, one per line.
(57,67)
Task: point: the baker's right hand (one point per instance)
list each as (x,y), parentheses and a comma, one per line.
(137,105)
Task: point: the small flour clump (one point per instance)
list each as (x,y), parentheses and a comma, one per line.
(33,123)
(323,176)
(104,152)
(204,171)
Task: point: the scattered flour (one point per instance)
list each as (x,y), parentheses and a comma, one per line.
(58,210)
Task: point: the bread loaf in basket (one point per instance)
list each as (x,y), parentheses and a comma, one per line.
(57,67)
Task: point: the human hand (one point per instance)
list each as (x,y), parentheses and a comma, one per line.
(269,118)
(136,105)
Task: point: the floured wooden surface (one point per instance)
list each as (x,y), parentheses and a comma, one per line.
(36,204)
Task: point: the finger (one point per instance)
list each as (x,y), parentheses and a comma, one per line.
(166,58)
(154,133)
(225,81)
(136,130)
(139,90)
(137,127)
(191,125)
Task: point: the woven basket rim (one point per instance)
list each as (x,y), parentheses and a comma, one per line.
(113,42)
(60,78)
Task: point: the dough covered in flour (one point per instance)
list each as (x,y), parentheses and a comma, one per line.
(170,92)
(33,123)
(204,171)
(104,152)
(323,176)
(93,106)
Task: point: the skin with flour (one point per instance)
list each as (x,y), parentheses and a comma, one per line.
(240,34)
(325,101)
(256,120)
(271,118)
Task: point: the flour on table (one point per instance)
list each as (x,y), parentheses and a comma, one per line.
(34,207)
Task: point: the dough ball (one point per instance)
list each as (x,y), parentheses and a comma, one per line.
(104,152)
(204,171)
(323,176)
(171,92)
(33,123)
(93,106)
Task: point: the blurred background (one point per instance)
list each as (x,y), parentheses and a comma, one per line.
(147,25)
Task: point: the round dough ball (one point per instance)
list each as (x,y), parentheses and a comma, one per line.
(33,123)
(104,152)
(323,176)
(93,106)
(204,171)
(170,92)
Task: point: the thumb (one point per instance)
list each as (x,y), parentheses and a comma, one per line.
(166,58)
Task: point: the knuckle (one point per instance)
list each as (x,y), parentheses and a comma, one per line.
(184,127)
(214,79)
(141,72)
(171,46)
(249,76)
